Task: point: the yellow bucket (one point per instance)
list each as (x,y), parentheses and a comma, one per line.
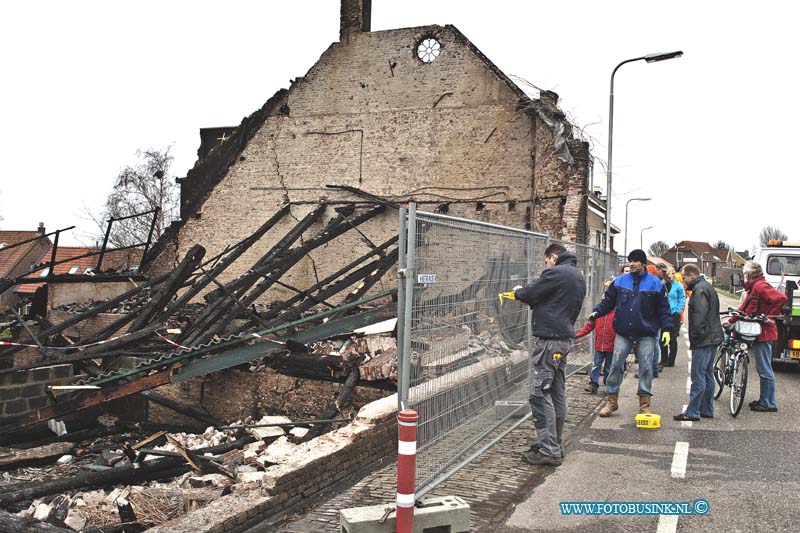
(648,421)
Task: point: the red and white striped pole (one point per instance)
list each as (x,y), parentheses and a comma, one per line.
(406,470)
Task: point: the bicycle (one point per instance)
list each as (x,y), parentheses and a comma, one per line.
(732,359)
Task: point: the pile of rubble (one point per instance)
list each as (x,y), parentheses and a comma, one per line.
(273,442)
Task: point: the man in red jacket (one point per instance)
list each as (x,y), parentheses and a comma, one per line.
(603,348)
(763,298)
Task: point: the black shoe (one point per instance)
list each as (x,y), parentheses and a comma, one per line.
(539,459)
(683,418)
(655,375)
(753,403)
(534,447)
(592,388)
(763,408)
(706,416)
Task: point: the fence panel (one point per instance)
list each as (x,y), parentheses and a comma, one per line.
(463,349)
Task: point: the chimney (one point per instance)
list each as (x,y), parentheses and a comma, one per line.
(355,17)
(41,229)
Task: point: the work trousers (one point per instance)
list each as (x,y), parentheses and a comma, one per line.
(547,387)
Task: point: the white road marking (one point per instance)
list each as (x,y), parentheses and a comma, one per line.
(686,423)
(688,385)
(679,460)
(667,523)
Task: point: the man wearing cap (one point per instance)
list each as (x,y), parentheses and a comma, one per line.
(642,309)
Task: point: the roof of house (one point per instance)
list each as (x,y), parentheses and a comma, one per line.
(654,259)
(112,260)
(9,258)
(699,248)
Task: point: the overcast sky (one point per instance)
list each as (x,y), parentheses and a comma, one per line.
(709,137)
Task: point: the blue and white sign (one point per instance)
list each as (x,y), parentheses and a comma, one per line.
(427,279)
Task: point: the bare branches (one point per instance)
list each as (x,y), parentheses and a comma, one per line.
(769,233)
(146,186)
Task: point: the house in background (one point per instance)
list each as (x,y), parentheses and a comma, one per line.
(16,259)
(701,254)
(713,262)
(76,263)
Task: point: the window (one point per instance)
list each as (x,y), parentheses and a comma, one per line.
(428,50)
(45,272)
(679,256)
(73,269)
(783,264)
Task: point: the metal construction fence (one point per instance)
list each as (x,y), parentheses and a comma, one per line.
(463,350)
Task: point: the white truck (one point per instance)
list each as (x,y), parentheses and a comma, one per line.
(781,263)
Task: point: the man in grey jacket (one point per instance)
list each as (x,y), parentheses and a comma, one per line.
(705,335)
(556,298)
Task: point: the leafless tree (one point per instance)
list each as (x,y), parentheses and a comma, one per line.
(659,248)
(769,233)
(722,244)
(145,186)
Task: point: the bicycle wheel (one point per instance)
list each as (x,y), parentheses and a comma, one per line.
(719,371)
(739,383)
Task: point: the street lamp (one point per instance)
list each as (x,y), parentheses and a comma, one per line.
(641,236)
(625,250)
(649,58)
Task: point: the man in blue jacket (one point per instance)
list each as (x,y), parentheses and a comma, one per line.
(642,309)
(556,298)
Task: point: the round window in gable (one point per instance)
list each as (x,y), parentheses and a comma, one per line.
(428,50)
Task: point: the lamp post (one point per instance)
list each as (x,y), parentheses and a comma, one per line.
(650,58)
(641,236)
(625,250)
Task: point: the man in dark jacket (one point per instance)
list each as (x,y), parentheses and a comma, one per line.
(642,309)
(556,298)
(705,335)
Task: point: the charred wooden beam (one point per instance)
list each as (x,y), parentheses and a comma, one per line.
(383,266)
(342,399)
(327,292)
(99,308)
(275,311)
(179,408)
(147,313)
(285,263)
(95,352)
(127,517)
(11,523)
(158,469)
(17,457)
(215,316)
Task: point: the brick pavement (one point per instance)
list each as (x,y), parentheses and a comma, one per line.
(492,484)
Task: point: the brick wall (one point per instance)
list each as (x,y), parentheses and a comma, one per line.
(371,115)
(21,392)
(230,395)
(81,292)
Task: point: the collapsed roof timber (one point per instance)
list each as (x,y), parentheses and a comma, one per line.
(228,331)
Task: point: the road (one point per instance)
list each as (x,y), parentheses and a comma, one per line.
(747,468)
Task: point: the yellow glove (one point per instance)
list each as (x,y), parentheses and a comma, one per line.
(506,295)
(592,317)
(665,337)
